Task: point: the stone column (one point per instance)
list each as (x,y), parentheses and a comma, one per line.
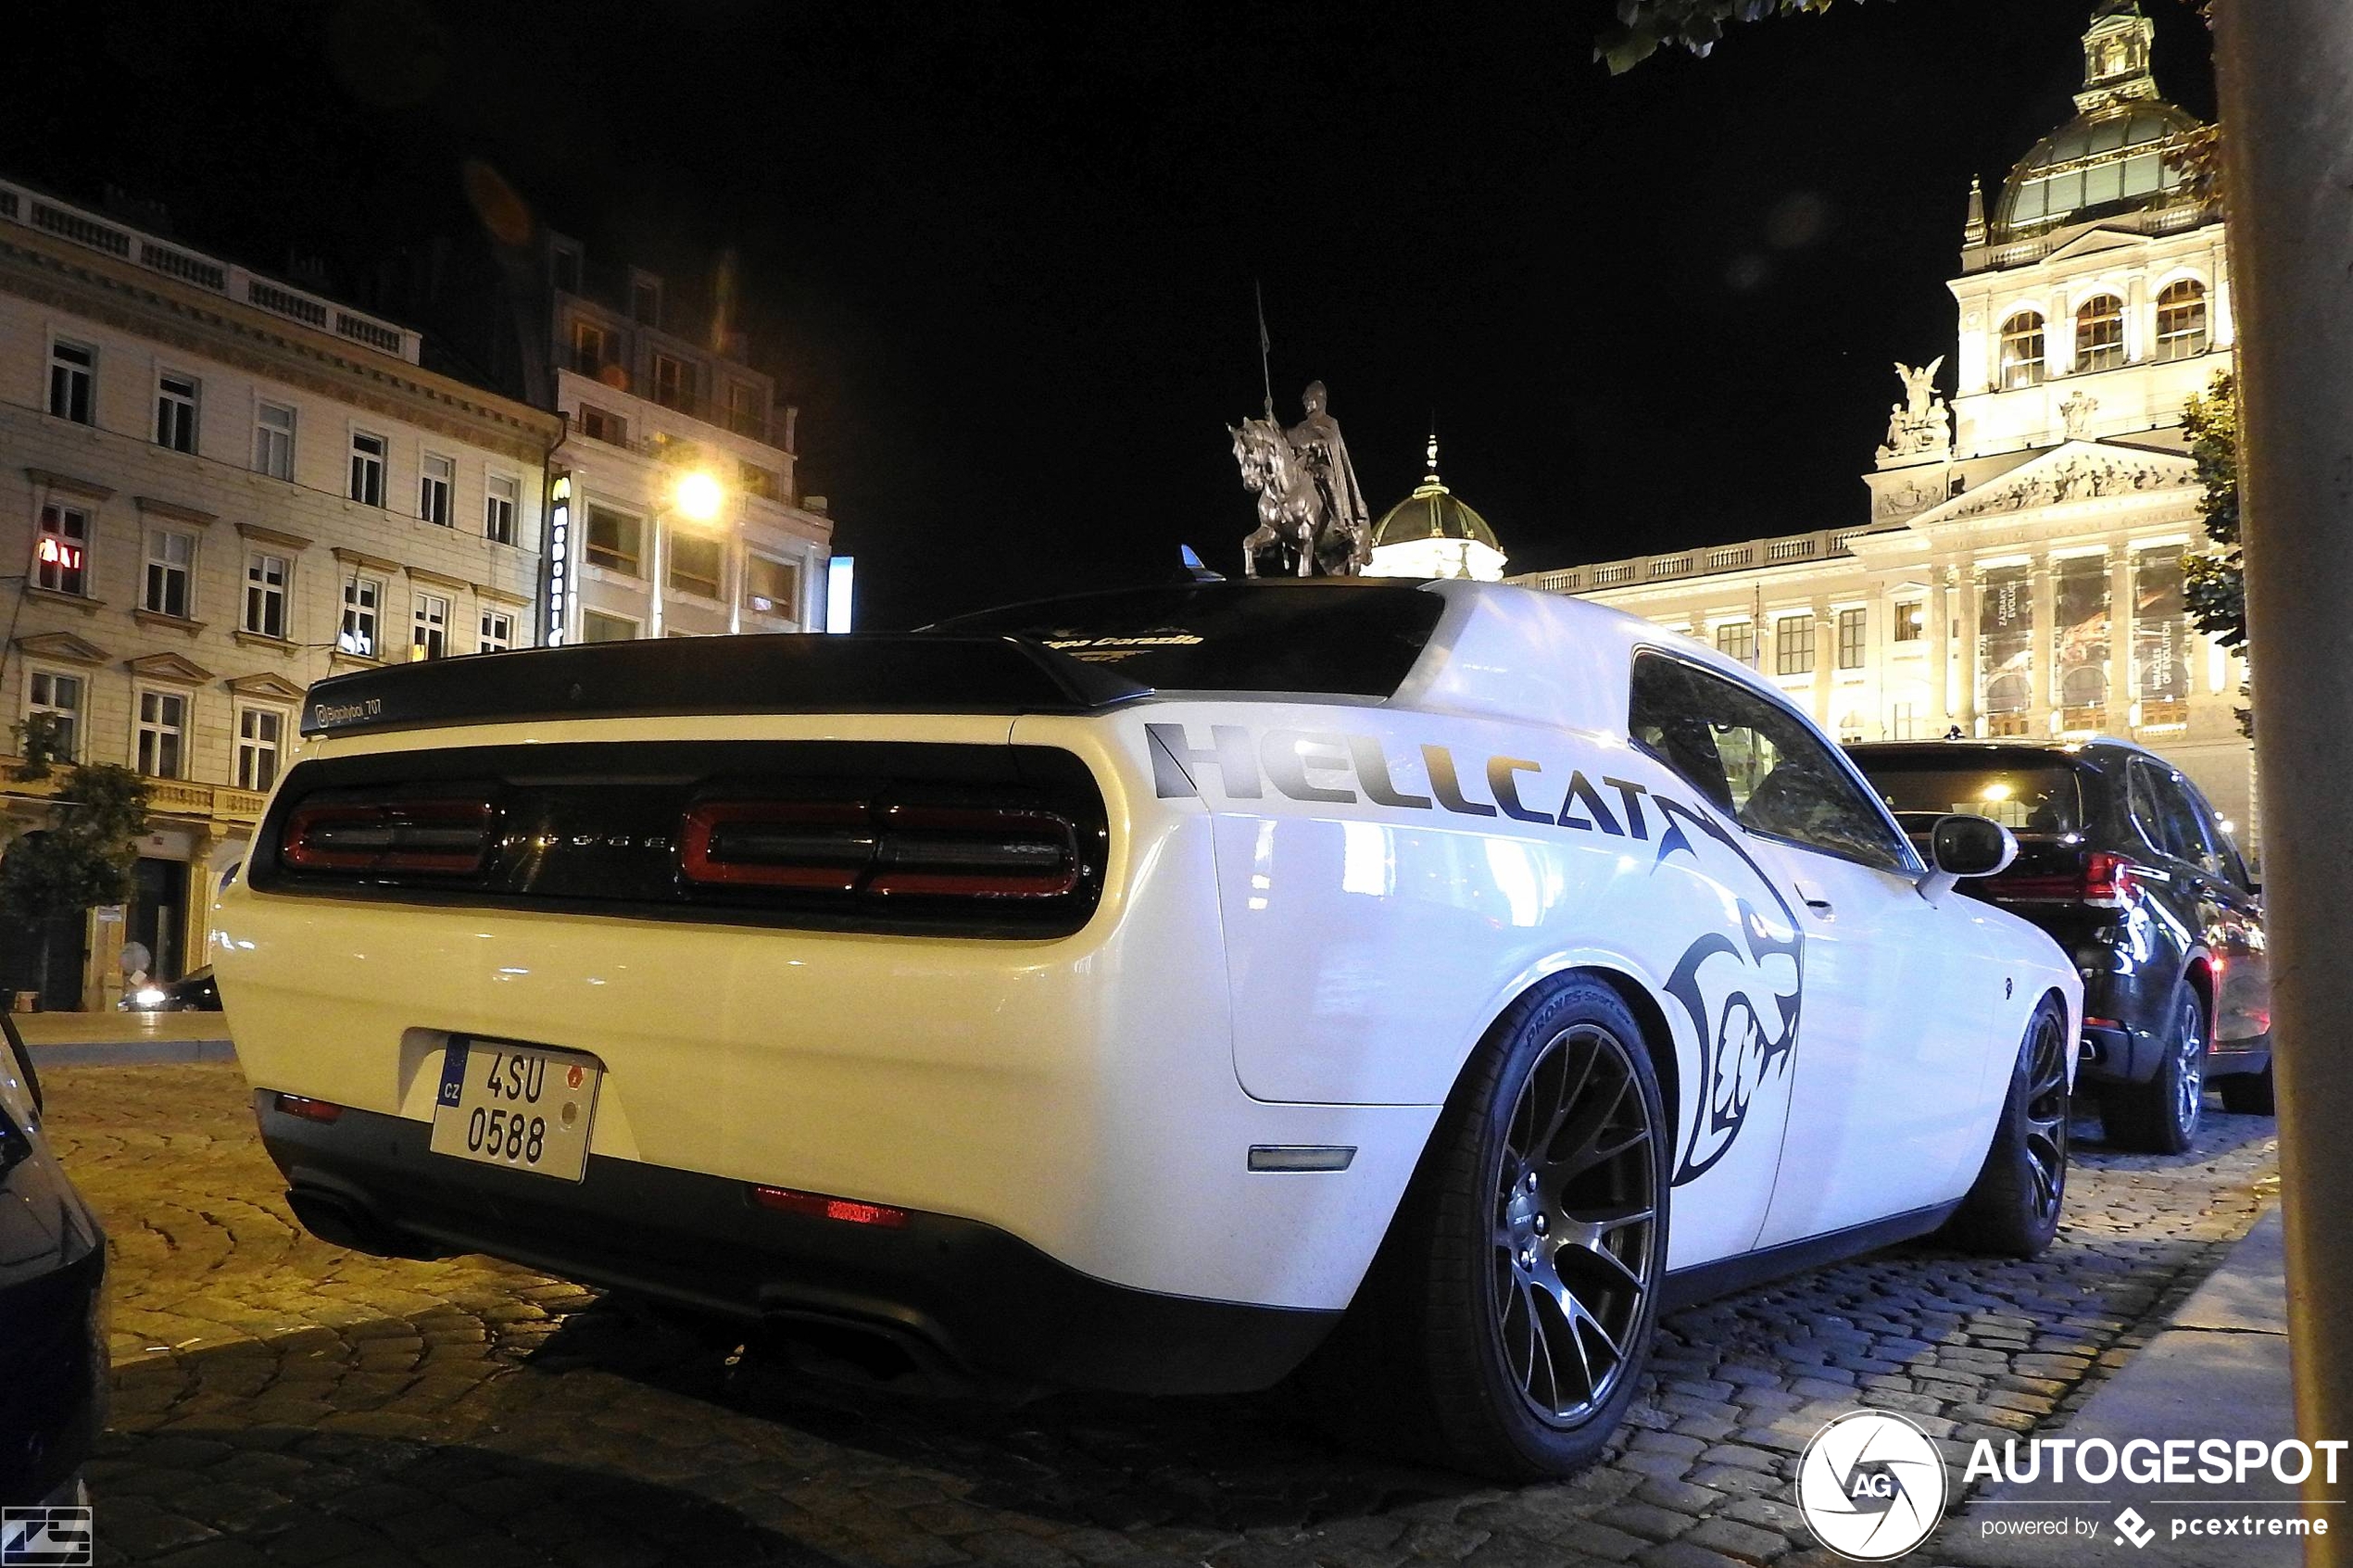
(2042,662)
(1964,709)
(2119,637)
(1941,713)
(1825,661)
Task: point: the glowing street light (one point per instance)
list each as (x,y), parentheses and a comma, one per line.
(699,496)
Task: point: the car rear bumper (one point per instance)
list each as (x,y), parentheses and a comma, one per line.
(953,1294)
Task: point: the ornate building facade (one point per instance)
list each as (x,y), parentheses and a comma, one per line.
(2019,570)
(1433,533)
(217,488)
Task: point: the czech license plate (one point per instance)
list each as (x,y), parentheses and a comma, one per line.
(523,1107)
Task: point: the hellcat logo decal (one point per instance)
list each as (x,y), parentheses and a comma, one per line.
(1739,988)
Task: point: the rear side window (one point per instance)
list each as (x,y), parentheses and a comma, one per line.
(2165,815)
(1756,761)
(1326,638)
(2024,800)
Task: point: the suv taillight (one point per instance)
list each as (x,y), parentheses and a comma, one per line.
(900,849)
(434,835)
(2108,880)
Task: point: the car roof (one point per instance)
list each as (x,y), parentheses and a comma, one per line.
(2010,751)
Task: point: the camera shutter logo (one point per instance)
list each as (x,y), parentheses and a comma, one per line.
(1872,1485)
(45,1537)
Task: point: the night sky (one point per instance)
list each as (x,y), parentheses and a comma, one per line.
(1002,257)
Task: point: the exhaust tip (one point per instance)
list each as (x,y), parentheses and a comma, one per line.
(340,1222)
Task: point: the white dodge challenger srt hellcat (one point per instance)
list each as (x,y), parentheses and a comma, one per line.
(1418,987)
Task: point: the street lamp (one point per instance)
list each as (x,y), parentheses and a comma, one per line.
(698,496)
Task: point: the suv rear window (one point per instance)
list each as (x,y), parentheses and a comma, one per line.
(2024,800)
(1346,641)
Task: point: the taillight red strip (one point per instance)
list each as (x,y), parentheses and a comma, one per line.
(436,836)
(308,1109)
(969,852)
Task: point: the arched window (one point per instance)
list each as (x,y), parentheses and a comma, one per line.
(2180,320)
(2023,350)
(2099,333)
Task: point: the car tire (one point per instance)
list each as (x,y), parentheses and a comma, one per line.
(2248,1093)
(1507,1319)
(2162,1115)
(2012,1210)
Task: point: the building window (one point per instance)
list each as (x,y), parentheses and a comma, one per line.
(266,578)
(259,731)
(273,433)
(59,695)
(2099,333)
(563,268)
(772,587)
(614,539)
(171,556)
(1900,721)
(596,626)
(163,732)
(73,374)
(1850,729)
(363,605)
(1911,620)
(2180,320)
(1850,639)
(176,411)
(429,627)
(695,565)
(745,414)
(598,425)
(61,556)
(497,630)
(673,382)
(1793,646)
(498,508)
(434,485)
(592,348)
(753,480)
(2023,350)
(1737,641)
(645,299)
(367,468)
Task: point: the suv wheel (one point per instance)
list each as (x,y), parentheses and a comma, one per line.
(1508,1318)
(2161,1116)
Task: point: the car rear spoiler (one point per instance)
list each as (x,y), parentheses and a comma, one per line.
(851,673)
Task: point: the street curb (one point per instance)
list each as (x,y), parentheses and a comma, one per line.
(129,1053)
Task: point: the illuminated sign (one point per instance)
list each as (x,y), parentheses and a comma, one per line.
(840,571)
(555,614)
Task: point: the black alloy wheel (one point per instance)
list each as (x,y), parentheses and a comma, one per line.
(2013,1208)
(1505,1321)
(1576,1224)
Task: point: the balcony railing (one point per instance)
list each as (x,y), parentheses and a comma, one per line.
(173,797)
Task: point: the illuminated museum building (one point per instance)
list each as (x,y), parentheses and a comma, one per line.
(2020,571)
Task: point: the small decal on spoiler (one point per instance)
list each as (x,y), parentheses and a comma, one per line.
(327,715)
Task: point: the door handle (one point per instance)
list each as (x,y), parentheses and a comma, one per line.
(1816,900)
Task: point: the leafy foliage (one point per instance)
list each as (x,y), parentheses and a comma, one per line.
(40,742)
(2214,582)
(1695,25)
(86,854)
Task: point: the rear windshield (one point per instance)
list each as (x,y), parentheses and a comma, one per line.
(2024,800)
(1345,641)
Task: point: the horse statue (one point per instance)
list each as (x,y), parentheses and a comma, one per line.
(1290,505)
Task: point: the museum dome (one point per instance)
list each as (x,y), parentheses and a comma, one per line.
(2111,158)
(1433,512)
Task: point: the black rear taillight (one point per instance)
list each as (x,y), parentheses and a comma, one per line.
(903,849)
(431,835)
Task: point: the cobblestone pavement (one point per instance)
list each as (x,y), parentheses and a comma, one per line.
(279,1400)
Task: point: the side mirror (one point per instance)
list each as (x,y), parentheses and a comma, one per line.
(1962,846)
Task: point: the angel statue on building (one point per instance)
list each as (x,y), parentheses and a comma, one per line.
(1312,516)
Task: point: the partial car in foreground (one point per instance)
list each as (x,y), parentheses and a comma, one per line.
(2124,863)
(1154,990)
(52,1267)
(192,992)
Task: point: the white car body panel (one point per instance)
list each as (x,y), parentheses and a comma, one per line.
(1289,951)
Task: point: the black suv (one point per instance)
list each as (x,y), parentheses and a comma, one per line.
(2124,863)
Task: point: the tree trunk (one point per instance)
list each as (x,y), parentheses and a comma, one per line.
(2285,73)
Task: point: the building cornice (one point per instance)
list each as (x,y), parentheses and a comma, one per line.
(134,300)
